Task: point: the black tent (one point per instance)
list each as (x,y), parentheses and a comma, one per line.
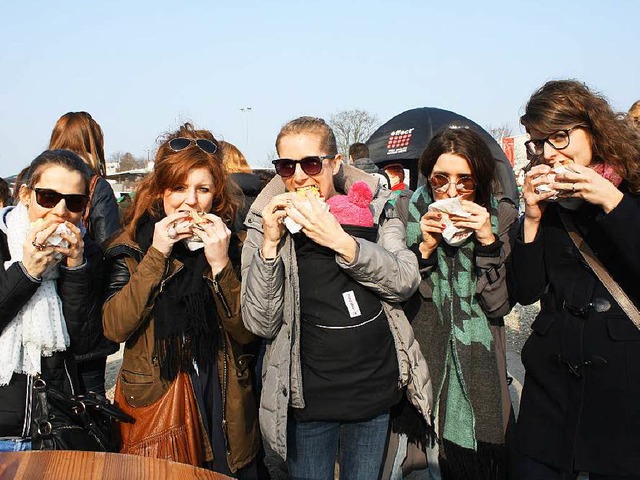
(403,139)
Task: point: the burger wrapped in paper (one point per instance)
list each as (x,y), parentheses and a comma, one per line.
(567,202)
(293,226)
(453,235)
(193,222)
(55,239)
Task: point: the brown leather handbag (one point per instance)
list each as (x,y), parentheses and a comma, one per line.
(169,428)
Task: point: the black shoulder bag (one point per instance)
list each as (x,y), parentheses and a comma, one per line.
(81,422)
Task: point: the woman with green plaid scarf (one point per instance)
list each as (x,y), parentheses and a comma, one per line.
(461,301)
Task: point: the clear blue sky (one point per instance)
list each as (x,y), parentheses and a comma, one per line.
(140,68)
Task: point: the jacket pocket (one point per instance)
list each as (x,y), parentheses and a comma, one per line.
(542,323)
(621,328)
(136,378)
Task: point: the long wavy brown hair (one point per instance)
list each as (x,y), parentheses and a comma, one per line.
(80,133)
(172,169)
(562,104)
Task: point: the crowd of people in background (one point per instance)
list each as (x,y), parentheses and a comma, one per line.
(354,326)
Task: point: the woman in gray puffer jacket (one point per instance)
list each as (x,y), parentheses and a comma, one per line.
(324,298)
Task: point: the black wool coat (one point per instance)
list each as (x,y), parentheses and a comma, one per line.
(580,407)
(80,291)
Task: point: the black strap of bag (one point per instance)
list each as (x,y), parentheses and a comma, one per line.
(600,270)
(82,422)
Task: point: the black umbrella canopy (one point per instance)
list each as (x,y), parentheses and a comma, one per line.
(403,139)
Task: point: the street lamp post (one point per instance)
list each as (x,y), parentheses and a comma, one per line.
(246,110)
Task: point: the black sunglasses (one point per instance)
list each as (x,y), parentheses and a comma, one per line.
(48,198)
(285,167)
(180,143)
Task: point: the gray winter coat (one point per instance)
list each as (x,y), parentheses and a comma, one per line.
(271,304)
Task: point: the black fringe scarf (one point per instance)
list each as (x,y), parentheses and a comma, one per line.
(184,313)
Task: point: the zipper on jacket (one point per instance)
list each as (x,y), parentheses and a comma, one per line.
(225,384)
(164,275)
(216,288)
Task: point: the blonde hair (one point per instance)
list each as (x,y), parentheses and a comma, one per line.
(233,159)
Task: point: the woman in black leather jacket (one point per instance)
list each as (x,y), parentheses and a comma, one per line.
(80,133)
(48,294)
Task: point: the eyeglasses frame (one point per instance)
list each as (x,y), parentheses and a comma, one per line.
(536,157)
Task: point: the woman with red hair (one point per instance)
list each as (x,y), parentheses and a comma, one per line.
(174,298)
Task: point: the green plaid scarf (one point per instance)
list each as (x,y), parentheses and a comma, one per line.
(457,341)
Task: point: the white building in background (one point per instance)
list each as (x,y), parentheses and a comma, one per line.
(112,167)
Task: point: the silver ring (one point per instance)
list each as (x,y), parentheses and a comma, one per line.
(172,232)
(38,246)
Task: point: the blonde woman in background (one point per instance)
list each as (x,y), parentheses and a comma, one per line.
(240,172)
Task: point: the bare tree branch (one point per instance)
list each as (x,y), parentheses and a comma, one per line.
(351,126)
(500,132)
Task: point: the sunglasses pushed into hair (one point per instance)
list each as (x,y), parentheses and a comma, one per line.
(180,143)
(440,183)
(47,198)
(285,167)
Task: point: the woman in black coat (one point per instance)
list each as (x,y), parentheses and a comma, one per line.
(580,408)
(49,285)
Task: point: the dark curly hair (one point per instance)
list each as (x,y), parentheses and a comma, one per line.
(562,104)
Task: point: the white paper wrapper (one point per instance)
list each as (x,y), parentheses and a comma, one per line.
(569,203)
(292,225)
(56,240)
(451,206)
(192,243)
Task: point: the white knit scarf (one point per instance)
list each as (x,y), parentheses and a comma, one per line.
(39,328)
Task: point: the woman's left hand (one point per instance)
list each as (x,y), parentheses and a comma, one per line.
(321,226)
(479,222)
(585,183)
(216,237)
(74,253)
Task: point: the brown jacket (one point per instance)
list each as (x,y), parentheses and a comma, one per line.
(126,317)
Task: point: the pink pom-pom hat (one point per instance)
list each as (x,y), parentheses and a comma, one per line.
(353,208)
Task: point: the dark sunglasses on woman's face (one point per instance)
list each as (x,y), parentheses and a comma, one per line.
(285,167)
(48,198)
(440,183)
(180,143)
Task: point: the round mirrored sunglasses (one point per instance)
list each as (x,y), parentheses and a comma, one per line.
(440,183)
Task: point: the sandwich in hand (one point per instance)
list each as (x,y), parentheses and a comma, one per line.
(193,222)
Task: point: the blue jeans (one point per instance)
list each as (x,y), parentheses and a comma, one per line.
(312,447)
(15,445)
